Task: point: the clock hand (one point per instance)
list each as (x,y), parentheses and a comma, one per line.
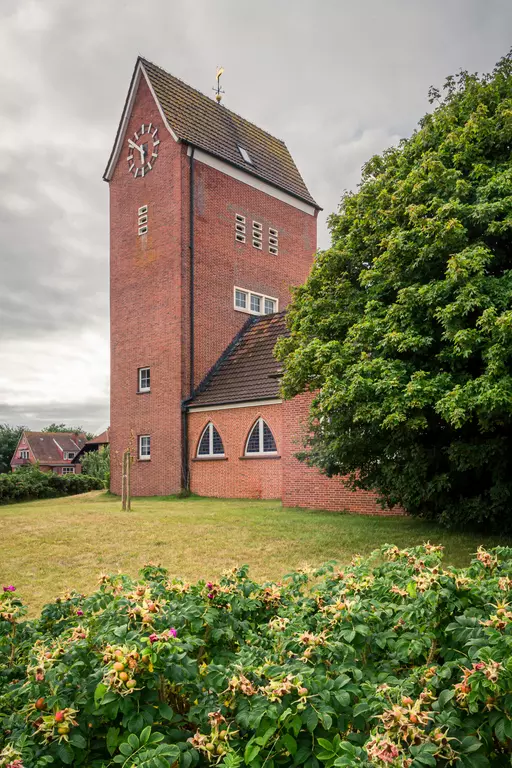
(136,146)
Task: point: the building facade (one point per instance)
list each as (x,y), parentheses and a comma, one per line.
(51,451)
(211,225)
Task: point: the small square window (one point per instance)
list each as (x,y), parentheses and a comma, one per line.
(270,306)
(273,250)
(257,235)
(240,228)
(245,155)
(255,303)
(143,220)
(240,238)
(144,379)
(240,299)
(257,225)
(239,218)
(144,447)
(142,210)
(143,230)
(257,244)
(272,232)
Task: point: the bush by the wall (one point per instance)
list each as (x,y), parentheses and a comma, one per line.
(30,483)
(395,662)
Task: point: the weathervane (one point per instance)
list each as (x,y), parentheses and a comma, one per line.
(218,90)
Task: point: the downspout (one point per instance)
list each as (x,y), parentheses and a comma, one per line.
(184,412)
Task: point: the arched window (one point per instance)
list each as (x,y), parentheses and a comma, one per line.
(260,440)
(210,443)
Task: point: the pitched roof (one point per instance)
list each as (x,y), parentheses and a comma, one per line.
(101,439)
(247,370)
(93,445)
(200,121)
(45,449)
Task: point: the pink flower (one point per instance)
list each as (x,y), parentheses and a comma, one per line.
(79,612)
(10,588)
(209,585)
(210,596)
(153,638)
(173,632)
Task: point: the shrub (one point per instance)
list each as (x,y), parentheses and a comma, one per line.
(30,483)
(97,464)
(393,661)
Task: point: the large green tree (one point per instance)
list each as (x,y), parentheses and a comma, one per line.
(404,328)
(9,437)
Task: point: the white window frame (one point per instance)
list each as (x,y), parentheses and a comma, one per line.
(68,471)
(68,455)
(145,457)
(141,388)
(261,296)
(261,452)
(210,454)
(24,454)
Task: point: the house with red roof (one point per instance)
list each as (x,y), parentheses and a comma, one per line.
(51,451)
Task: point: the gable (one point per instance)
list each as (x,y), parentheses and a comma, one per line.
(197,120)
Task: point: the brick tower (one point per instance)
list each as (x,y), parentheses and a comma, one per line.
(210,223)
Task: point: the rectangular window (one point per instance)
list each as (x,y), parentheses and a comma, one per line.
(254,303)
(144,380)
(270,306)
(240,299)
(144,447)
(68,470)
(239,228)
(69,455)
(23,454)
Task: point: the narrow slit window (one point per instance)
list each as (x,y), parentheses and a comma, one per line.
(210,443)
(261,440)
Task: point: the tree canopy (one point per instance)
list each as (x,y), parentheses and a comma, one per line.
(9,437)
(404,327)
(64,428)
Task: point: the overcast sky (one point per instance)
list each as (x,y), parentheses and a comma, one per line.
(338,80)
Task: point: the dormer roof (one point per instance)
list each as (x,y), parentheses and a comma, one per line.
(201,122)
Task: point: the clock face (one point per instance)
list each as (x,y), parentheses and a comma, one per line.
(143,150)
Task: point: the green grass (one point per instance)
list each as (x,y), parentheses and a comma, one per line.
(52,545)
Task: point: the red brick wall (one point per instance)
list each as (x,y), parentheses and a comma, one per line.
(146,318)
(305,486)
(149,290)
(235,477)
(221,262)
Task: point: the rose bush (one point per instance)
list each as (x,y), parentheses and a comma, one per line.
(394,660)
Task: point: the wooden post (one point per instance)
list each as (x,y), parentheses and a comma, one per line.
(128,481)
(124,481)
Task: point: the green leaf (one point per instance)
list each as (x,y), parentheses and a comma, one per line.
(251,752)
(311,719)
(125,747)
(133,740)
(112,739)
(326,720)
(65,753)
(145,734)
(290,743)
(165,711)
(445,696)
(77,740)
(326,744)
(99,693)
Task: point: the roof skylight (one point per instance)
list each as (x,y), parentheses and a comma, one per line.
(246,156)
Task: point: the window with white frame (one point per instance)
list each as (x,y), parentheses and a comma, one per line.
(68,470)
(144,380)
(24,454)
(261,440)
(144,447)
(69,455)
(246,156)
(254,303)
(210,443)
(239,228)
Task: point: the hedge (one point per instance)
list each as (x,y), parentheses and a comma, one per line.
(30,483)
(391,661)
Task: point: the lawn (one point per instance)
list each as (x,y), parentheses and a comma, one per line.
(52,545)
